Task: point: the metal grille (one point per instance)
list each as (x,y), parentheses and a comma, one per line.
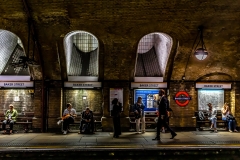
(85,42)
(147,65)
(10,70)
(83,64)
(11,49)
(81,49)
(8,42)
(153,52)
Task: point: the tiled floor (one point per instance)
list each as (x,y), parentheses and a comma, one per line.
(126,140)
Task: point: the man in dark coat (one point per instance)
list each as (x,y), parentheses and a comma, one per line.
(162,115)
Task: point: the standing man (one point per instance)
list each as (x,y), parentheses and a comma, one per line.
(116,111)
(68,117)
(10,118)
(162,115)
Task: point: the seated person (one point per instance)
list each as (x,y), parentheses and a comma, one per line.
(87,124)
(68,117)
(226,112)
(212,116)
(10,118)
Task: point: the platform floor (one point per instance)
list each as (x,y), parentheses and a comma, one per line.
(132,142)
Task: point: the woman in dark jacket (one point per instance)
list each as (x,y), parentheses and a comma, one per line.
(116,110)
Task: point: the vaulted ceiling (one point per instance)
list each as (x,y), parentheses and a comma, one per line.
(119,26)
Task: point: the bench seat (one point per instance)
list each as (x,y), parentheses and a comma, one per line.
(202,123)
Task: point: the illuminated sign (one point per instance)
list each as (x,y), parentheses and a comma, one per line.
(16,84)
(213,85)
(148,85)
(82,84)
(182,98)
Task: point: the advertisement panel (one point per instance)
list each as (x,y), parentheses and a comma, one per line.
(149,98)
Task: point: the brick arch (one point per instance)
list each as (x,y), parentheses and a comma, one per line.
(216,76)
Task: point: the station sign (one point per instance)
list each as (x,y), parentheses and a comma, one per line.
(214,85)
(16,84)
(148,85)
(83,84)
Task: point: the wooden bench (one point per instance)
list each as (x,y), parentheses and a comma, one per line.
(97,118)
(24,119)
(203,123)
(150,119)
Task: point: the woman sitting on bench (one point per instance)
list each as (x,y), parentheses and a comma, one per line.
(212,117)
(228,117)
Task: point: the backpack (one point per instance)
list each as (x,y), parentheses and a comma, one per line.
(201,116)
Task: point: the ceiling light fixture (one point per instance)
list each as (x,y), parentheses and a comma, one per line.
(200,53)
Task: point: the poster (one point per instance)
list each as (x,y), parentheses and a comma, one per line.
(216,97)
(149,98)
(116,93)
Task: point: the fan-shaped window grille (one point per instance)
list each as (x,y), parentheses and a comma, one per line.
(81,50)
(152,55)
(11,50)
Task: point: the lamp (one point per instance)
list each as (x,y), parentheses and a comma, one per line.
(200,53)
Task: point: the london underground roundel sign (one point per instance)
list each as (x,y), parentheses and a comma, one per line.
(182,98)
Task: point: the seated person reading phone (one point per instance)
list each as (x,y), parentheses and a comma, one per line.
(87,124)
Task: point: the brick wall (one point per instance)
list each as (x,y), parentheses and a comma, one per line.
(183,115)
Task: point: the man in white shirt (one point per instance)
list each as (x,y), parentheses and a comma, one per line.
(68,117)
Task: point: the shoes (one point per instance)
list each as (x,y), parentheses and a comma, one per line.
(10,132)
(59,122)
(173,135)
(64,132)
(211,128)
(115,136)
(235,130)
(230,131)
(156,138)
(215,131)
(143,132)
(79,132)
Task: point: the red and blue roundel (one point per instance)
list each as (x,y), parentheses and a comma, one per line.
(182,98)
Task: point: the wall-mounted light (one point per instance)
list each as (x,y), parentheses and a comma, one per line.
(201,52)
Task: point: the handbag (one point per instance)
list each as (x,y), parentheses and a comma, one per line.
(230,117)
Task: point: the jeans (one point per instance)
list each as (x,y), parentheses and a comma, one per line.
(214,122)
(7,122)
(231,123)
(142,119)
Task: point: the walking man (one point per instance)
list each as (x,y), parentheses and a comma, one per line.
(162,115)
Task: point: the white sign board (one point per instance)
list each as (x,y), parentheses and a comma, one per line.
(116,93)
(16,84)
(149,85)
(214,85)
(82,84)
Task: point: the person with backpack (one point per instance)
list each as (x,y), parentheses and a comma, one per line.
(162,115)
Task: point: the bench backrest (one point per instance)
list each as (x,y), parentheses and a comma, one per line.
(205,112)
